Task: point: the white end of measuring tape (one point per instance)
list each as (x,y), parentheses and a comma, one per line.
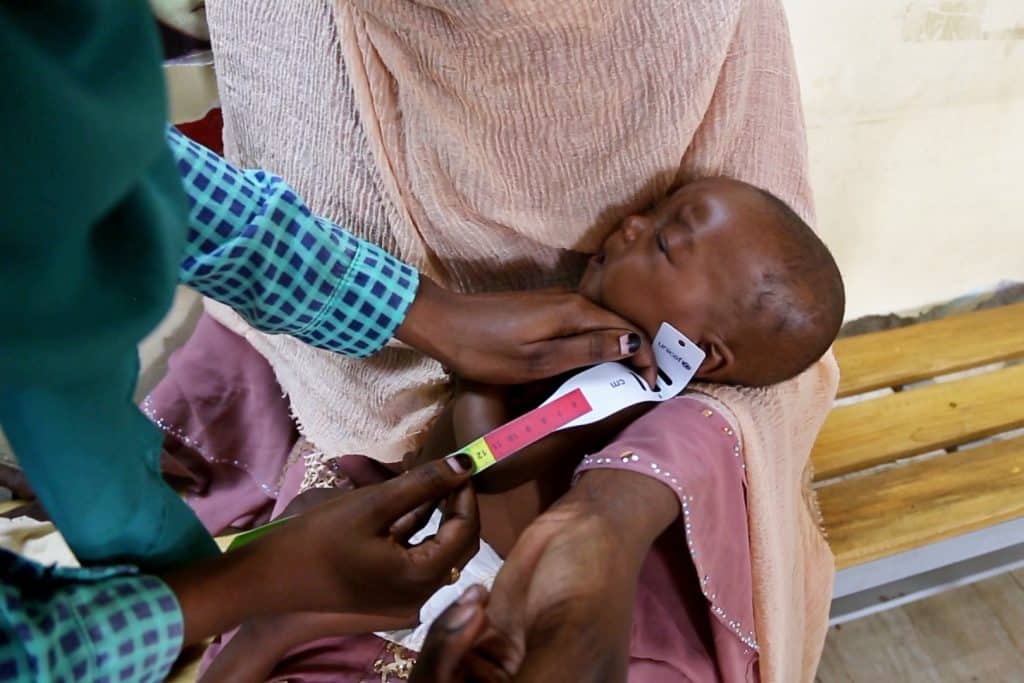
(611,387)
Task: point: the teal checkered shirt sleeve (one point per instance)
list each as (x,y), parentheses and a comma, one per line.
(255,246)
(99,625)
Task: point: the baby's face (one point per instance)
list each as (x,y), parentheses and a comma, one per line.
(684,261)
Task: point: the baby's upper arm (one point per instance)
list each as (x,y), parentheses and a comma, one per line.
(555,454)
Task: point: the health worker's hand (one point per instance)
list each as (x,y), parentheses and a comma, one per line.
(349,554)
(518,337)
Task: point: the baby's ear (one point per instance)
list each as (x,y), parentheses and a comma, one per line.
(718,360)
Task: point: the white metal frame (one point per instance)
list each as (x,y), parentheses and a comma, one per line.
(915,574)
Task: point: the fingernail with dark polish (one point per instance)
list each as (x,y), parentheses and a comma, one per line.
(460,617)
(634,342)
(460,462)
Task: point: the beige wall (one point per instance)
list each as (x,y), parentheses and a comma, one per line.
(915,113)
(191,91)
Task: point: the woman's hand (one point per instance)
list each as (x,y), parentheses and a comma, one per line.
(360,541)
(561,607)
(560,611)
(347,555)
(518,337)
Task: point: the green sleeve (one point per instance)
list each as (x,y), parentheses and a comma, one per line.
(93,228)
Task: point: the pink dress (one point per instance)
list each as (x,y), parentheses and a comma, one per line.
(693,619)
(693,615)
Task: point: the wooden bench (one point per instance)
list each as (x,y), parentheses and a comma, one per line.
(912,502)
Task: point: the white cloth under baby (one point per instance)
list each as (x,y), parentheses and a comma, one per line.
(480,570)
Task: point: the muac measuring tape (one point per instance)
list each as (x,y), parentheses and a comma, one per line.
(588,397)
(593,395)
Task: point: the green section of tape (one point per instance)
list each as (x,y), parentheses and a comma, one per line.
(251,535)
(481,454)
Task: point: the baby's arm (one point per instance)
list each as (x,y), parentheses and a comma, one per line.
(478,409)
(515,490)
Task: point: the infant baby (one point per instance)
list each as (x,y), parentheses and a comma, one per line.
(729,265)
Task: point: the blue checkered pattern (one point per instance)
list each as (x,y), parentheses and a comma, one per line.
(102,625)
(254,245)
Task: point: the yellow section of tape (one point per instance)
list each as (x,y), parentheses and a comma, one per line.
(481,454)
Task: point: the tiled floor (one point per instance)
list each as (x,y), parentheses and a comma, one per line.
(973,633)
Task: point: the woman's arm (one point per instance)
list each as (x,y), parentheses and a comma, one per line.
(348,555)
(561,607)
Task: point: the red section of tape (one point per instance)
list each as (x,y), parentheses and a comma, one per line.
(536,424)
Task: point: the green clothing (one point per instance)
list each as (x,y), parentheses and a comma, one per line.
(89,262)
(96,234)
(251,243)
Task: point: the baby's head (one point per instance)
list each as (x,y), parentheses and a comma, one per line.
(732,267)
